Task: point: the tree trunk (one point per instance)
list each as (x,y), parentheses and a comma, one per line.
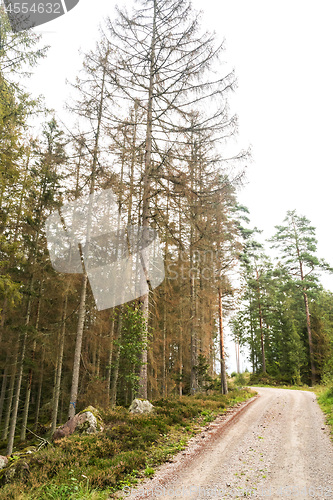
(262,340)
(40,386)
(181,362)
(252,345)
(3,317)
(108,370)
(82,308)
(194,185)
(14,359)
(28,393)
(144,300)
(143,377)
(308,326)
(224,383)
(181,304)
(133,158)
(3,387)
(113,397)
(27,399)
(20,373)
(98,360)
(59,367)
(194,359)
(237,354)
(307,312)
(164,382)
(78,347)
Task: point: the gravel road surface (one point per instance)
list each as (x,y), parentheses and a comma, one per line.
(277,446)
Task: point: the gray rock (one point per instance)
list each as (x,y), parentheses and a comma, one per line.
(15,469)
(87,422)
(141,407)
(3,461)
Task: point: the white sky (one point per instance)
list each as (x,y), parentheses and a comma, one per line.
(282,54)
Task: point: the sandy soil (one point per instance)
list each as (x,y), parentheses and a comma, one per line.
(276,446)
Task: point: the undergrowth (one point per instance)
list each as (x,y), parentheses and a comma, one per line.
(95,466)
(280,382)
(325,400)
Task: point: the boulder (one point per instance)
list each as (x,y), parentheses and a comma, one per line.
(87,421)
(141,407)
(14,470)
(3,461)
(17,467)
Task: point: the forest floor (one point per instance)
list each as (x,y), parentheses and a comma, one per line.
(277,447)
(131,447)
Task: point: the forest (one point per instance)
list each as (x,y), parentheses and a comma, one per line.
(152,123)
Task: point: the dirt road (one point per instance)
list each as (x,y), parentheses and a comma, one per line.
(278,447)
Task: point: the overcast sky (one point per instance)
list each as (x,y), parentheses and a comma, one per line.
(282,55)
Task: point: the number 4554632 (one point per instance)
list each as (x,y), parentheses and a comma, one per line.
(41,8)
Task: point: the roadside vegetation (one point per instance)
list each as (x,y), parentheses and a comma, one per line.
(265,380)
(128,450)
(325,400)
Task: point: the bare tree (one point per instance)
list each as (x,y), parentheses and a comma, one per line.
(160,57)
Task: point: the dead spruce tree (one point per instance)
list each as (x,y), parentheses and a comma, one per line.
(91,105)
(160,58)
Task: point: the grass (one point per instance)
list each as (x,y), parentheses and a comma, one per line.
(129,449)
(286,386)
(325,400)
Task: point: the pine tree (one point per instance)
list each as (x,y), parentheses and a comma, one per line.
(297,244)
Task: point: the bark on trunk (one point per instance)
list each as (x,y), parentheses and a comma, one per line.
(262,339)
(194,357)
(224,383)
(113,397)
(82,308)
(308,326)
(252,347)
(40,386)
(181,363)
(3,387)
(181,305)
(28,393)
(59,367)
(78,348)
(164,382)
(10,394)
(20,373)
(237,355)
(307,312)
(108,370)
(3,317)
(27,400)
(144,301)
